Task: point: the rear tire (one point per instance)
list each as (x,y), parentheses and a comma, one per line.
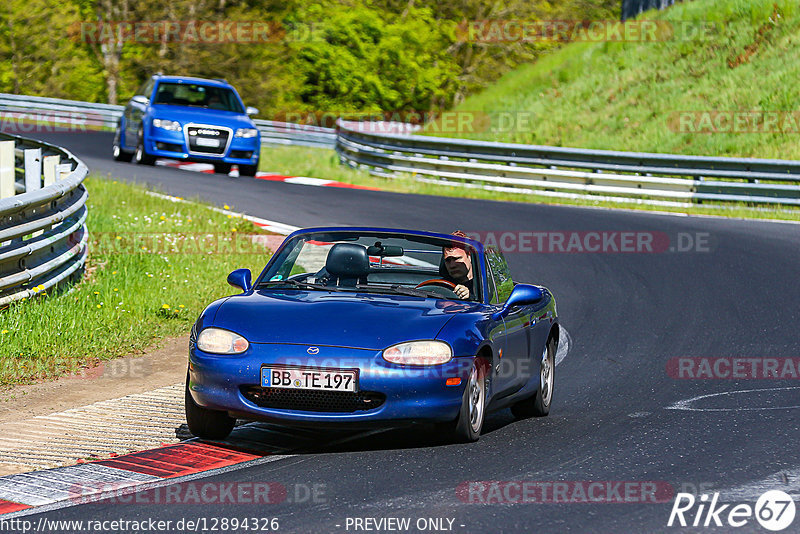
(539,404)
(205,423)
(116,149)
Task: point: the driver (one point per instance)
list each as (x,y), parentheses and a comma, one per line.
(458,263)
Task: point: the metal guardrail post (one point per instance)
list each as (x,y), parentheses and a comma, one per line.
(33,169)
(7,169)
(50,167)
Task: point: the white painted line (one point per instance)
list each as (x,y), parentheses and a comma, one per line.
(305,180)
(274,226)
(196,167)
(686,404)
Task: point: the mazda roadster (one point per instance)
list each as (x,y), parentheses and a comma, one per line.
(372,326)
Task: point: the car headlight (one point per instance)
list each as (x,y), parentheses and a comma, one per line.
(246,132)
(164,124)
(419,353)
(219,341)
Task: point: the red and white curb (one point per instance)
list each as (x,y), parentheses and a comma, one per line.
(208,168)
(40,491)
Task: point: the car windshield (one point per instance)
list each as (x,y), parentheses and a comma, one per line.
(371,262)
(197,95)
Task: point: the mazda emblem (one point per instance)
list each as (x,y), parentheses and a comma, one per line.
(313,350)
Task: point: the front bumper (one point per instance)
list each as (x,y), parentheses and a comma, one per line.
(412,394)
(166,144)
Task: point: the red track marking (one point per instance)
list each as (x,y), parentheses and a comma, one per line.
(352,186)
(274,177)
(6,507)
(178,460)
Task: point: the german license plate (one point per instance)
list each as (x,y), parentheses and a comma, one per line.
(202,141)
(309,378)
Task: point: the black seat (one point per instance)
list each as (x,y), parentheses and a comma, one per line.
(347,264)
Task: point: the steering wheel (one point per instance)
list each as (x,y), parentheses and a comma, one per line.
(441,282)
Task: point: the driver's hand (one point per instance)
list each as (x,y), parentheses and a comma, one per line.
(461,291)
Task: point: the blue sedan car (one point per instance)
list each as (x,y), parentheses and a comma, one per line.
(189,119)
(371,326)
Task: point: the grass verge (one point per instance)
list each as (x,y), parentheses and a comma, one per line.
(324,163)
(724,57)
(153,266)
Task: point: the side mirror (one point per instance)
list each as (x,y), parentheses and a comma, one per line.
(241,278)
(139,99)
(251,110)
(521,295)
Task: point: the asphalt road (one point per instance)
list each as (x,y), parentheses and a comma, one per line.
(628,315)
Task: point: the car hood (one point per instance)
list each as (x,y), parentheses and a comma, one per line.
(214,117)
(357,320)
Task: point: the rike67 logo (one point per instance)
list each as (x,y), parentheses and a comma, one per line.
(774,510)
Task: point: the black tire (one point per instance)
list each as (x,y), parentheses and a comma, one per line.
(116,149)
(539,404)
(248,170)
(222,168)
(469,423)
(205,423)
(141,156)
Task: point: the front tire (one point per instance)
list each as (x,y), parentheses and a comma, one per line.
(539,404)
(205,423)
(222,168)
(142,157)
(467,427)
(248,170)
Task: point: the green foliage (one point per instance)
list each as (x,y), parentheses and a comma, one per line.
(324,55)
(629,95)
(38,55)
(362,60)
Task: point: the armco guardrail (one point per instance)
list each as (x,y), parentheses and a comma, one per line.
(43,234)
(659,179)
(76,115)
(55,112)
(286,133)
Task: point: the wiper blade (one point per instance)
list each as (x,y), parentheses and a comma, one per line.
(297,283)
(402,290)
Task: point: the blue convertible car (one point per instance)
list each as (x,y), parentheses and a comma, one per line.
(372,326)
